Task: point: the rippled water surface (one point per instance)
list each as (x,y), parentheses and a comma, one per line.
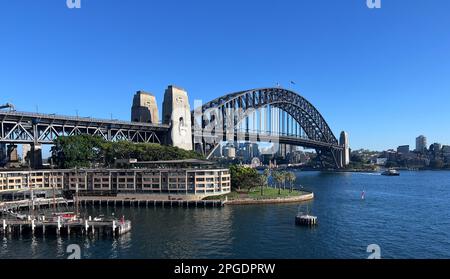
(407,216)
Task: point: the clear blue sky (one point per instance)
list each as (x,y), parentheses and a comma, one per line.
(382,75)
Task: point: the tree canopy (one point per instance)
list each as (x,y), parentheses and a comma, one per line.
(89,151)
(244,178)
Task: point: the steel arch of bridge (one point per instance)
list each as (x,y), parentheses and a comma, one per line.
(217,113)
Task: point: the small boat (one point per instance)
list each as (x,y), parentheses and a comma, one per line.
(65,216)
(99,218)
(390,172)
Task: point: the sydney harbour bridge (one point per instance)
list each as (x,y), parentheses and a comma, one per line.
(272,115)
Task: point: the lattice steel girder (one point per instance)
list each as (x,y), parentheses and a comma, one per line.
(29,128)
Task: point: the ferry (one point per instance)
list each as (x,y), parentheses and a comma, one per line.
(391,172)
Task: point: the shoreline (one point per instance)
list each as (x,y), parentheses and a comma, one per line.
(296,199)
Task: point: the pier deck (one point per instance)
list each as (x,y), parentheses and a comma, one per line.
(109,202)
(81,226)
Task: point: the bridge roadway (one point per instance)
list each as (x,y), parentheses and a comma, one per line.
(38,128)
(29,128)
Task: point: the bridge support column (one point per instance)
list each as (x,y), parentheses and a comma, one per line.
(3,154)
(36,156)
(345,153)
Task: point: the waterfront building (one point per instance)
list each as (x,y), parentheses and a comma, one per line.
(187,181)
(421,143)
(404,149)
(381,161)
(446,153)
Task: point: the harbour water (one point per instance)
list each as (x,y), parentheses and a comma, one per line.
(407,216)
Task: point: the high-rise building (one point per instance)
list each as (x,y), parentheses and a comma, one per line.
(229,151)
(247,151)
(421,143)
(281,150)
(436,148)
(145,108)
(25,149)
(344,142)
(13,157)
(255,150)
(404,149)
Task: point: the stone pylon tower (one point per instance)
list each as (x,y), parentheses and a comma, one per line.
(177,113)
(344,142)
(145,108)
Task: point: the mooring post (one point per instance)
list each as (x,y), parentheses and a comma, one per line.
(4,225)
(86,225)
(43,229)
(93,229)
(58,228)
(114,227)
(33,226)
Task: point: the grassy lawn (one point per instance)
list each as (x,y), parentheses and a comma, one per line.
(269,193)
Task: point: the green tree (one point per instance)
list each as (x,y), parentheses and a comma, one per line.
(265,180)
(291,177)
(244,178)
(86,151)
(437,164)
(279,178)
(76,151)
(284,176)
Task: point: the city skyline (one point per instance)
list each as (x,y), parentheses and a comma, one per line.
(392,90)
